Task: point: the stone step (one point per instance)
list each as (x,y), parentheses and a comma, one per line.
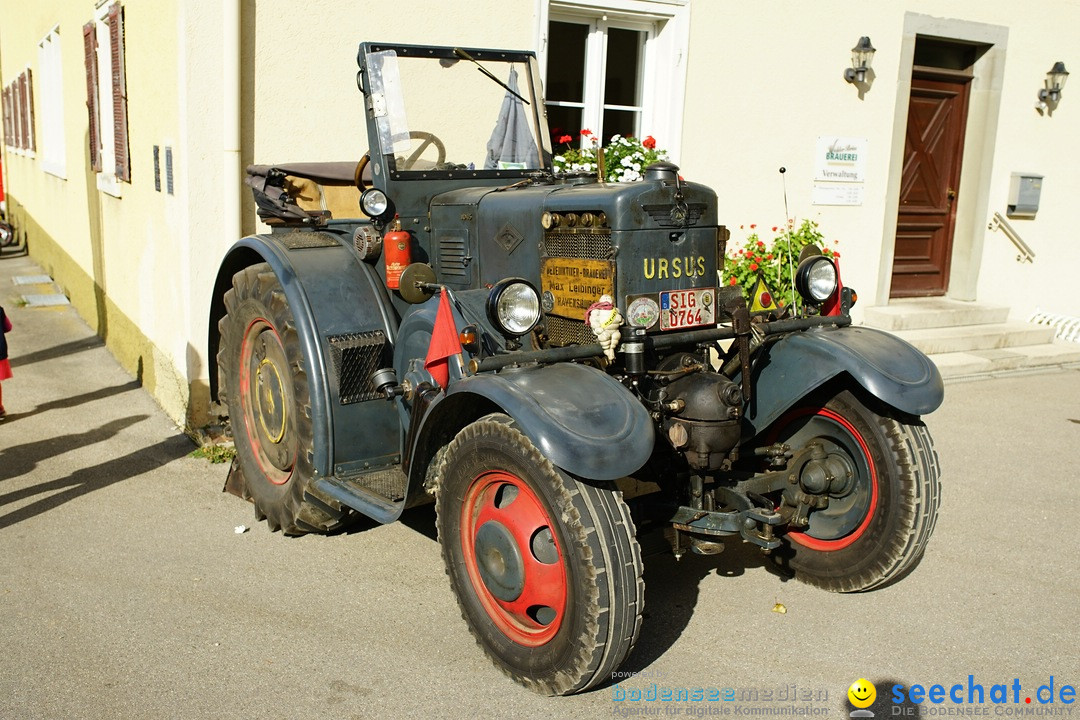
(958,366)
(916,313)
(936,340)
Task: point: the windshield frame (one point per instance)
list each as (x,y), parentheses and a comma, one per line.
(529,86)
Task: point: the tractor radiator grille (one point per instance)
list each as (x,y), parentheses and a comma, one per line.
(585,243)
(591,244)
(563,331)
(355,356)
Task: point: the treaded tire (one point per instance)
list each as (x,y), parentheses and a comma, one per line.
(885,540)
(581,644)
(262,380)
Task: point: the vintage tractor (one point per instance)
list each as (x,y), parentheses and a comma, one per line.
(448,320)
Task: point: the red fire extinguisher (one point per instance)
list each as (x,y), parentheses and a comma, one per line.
(396,254)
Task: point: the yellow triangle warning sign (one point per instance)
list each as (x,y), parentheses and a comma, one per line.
(762,298)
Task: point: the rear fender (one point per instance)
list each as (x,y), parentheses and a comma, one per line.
(330,293)
(888,368)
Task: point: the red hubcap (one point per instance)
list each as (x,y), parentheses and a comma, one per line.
(846,519)
(513,558)
(265,399)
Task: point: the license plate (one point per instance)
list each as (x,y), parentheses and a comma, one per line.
(687,308)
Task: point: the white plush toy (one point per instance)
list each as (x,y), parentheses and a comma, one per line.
(604,319)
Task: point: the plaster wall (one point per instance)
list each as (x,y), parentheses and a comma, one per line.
(759,99)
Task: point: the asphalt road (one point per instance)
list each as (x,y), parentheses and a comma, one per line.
(126,593)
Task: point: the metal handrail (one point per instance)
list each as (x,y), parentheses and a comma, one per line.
(1026,253)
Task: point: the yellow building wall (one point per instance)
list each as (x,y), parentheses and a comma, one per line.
(765,82)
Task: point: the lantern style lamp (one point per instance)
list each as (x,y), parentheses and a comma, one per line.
(1055,80)
(861,57)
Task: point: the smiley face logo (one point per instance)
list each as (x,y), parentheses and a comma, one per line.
(862,693)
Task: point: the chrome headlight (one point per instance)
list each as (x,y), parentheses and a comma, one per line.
(816,279)
(375,204)
(514,306)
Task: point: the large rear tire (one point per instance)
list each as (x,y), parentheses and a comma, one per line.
(546,568)
(262,379)
(875,530)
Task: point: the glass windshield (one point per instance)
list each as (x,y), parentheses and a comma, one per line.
(446,114)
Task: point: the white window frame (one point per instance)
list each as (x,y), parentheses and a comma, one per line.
(106,179)
(52,147)
(663,74)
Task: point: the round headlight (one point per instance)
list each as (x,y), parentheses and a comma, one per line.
(374,203)
(514,306)
(816,279)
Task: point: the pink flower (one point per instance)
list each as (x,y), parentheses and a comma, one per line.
(649,143)
(566,139)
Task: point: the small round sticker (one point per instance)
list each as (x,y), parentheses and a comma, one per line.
(643,312)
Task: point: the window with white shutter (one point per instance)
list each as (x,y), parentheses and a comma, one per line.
(52,148)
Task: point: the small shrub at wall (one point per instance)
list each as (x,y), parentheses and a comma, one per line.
(769,258)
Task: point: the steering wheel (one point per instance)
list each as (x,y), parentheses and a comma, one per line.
(429,139)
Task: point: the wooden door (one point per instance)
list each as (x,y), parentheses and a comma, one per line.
(937,116)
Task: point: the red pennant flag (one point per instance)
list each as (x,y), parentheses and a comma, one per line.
(832,305)
(445,343)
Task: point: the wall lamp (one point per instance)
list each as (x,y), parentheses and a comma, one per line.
(1055,80)
(861,57)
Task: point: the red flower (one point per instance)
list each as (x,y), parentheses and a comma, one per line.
(586,133)
(566,139)
(835,254)
(774,228)
(769,256)
(753,267)
(753,226)
(732,281)
(649,143)
(760,243)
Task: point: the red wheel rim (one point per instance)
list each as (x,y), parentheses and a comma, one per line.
(264,400)
(513,558)
(833,544)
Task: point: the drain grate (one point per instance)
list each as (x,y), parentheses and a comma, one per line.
(45,300)
(31,279)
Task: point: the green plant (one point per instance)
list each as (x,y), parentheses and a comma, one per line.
(215,453)
(770,260)
(625,158)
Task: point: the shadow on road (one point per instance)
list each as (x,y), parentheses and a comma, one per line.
(67,402)
(57,351)
(21,459)
(87,480)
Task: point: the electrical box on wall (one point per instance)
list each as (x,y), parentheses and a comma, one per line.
(1024,190)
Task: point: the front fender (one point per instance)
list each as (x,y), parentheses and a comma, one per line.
(584,421)
(888,368)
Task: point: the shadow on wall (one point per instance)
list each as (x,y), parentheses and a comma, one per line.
(198,389)
(97,245)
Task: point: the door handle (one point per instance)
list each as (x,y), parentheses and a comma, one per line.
(951,194)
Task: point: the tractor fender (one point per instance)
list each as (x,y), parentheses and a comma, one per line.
(888,368)
(330,294)
(581,419)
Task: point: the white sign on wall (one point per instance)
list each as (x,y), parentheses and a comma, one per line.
(839,170)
